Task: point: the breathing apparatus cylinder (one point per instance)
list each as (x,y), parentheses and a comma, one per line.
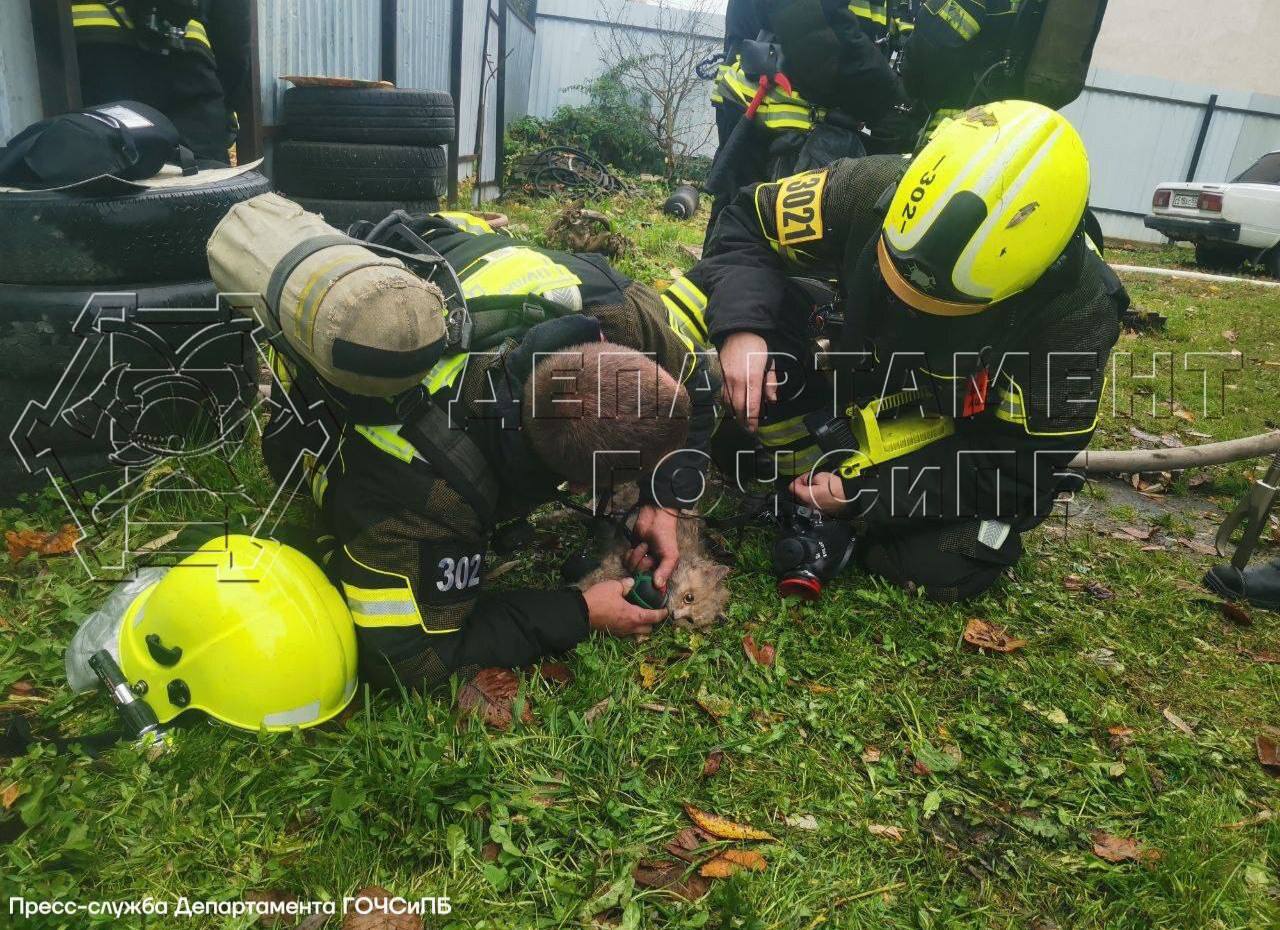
(362,321)
(683,202)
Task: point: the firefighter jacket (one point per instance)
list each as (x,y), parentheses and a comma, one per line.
(949,60)
(413,556)
(1022,381)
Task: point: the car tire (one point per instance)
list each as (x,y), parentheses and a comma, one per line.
(378,116)
(342,213)
(38,342)
(1217,257)
(347,171)
(154,235)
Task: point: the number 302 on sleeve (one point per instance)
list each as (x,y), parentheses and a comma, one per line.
(799,208)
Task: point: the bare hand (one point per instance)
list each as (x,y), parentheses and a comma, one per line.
(823,491)
(744,359)
(611,613)
(656,531)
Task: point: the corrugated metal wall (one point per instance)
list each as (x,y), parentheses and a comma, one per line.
(1143,131)
(569,53)
(521,42)
(337,38)
(422,44)
(19,89)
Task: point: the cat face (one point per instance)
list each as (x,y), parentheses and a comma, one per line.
(696,593)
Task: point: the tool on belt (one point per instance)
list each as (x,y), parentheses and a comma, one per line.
(1252,516)
(762,57)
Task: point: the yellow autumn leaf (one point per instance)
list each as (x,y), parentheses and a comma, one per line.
(9,793)
(746,858)
(648,676)
(723,829)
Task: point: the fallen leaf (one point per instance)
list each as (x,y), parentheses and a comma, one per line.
(1264,658)
(1100,591)
(684,844)
(1231,336)
(9,793)
(491,695)
(714,760)
(557,673)
(23,542)
(722,828)
(1261,816)
(1142,436)
(381,914)
(268,897)
(1178,722)
(716,706)
(871,755)
(1236,614)
(1121,736)
(1073,583)
(1121,849)
(489,851)
(814,688)
(759,655)
(983,635)
(731,861)
(648,676)
(595,710)
(1134,532)
(919,768)
(496,573)
(767,718)
(802,822)
(21,688)
(1170,441)
(1268,745)
(658,708)
(1182,413)
(662,874)
(1154,548)
(888,833)
(1198,547)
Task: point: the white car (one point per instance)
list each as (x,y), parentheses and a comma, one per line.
(1227,223)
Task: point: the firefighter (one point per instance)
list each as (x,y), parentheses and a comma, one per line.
(189,59)
(977,325)
(413,507)
(828,75)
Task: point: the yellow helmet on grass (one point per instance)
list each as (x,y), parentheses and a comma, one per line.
(247,630)
(985,209)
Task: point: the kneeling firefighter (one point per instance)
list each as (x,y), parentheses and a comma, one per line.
(529,369)
(978,321)
(248,631)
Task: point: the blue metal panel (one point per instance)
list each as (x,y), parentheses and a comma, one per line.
(521,40)
(422,45)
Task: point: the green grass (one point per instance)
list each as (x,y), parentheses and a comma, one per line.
(401,795)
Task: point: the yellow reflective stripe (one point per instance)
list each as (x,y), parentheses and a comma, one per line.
(959,19)
(678,327)
(692,304)
(196,33)
(791,463)
(278,367)
(783,431)
(468,222)
(515,270)
(97,14)
(389,440)
(445,372)
(382,607)
(877,12)
(1013,409)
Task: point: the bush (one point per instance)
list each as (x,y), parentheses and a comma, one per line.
(610,126)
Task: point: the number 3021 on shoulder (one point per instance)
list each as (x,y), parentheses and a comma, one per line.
(799,208)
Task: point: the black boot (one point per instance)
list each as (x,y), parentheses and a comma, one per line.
(1257,584)
(810,550)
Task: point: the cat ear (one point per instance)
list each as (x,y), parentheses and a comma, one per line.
(718,573)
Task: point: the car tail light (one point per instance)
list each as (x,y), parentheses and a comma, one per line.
(1210,202)
(1161,200)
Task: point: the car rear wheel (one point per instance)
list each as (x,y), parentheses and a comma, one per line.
(1217,257)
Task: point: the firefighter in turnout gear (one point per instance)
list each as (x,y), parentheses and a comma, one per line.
(586,362)
(190,59)
(977,322)
(821,71)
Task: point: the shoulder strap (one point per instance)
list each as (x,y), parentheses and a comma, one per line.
(291,260)
(454,455)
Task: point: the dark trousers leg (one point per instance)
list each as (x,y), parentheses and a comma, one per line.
(949,560)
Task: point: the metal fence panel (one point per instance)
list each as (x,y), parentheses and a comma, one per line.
(521,42)
(19,87)
(335,38)
(422,44)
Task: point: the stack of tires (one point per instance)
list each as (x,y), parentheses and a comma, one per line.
(358,153)
(58,249)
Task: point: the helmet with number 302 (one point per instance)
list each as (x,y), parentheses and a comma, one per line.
(985,209)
